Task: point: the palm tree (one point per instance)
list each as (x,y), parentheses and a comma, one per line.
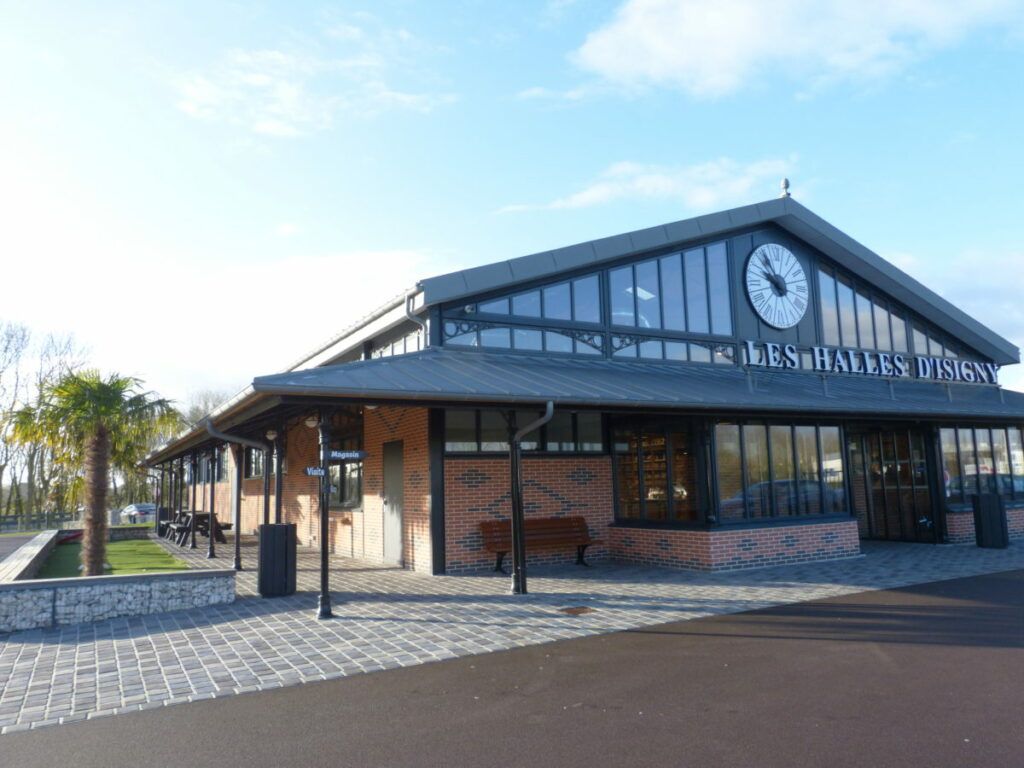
(92,424)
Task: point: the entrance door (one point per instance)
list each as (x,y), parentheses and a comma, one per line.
(890,484)
(394,499)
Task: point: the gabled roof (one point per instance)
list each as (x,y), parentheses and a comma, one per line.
(784,212)
(447,376)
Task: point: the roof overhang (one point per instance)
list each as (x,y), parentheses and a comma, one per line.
(438,377)
(784,212)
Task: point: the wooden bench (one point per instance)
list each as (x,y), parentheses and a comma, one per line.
(543,532)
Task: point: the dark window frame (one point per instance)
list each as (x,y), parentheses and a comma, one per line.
(540,438)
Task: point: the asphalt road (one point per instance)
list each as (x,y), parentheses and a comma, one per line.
(931,676)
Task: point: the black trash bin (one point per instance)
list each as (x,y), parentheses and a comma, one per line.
(990,530)
(277,560)
(163,519)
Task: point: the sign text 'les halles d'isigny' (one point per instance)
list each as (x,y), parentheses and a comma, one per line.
(831,360)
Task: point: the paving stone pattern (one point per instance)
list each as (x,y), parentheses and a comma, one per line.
(387,618)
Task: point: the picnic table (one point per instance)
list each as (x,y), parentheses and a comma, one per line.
(180,529)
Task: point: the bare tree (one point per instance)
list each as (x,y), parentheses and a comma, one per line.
(201,402)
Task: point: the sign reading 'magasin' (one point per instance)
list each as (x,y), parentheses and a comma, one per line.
(884,364)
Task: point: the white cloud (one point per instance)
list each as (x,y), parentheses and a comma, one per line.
(287,229)
(714,47)
(173,315)
(715,184)
(349,71)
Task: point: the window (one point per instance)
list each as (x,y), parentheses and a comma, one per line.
(829,312)
(847,313)
(472,431)
(655,474)
(586,300)
(460,431)
(728,464)
(678,292)
(778,470)
(982,459)
(346,477)
(253,463)
(865,322)
(526,304)
(557,304)
(696,291)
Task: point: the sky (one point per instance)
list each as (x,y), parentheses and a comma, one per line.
(201,192)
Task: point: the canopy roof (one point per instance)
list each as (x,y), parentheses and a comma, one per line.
(446,376)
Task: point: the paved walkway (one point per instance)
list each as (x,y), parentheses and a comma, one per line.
(391,618)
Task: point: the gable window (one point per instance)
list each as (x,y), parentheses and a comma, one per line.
(851,318)
(686,291)
(577,300)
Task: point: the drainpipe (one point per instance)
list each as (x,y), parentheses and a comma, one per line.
(237,495)
(518,519)
(409,297)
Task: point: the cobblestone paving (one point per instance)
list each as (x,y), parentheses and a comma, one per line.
(386,617)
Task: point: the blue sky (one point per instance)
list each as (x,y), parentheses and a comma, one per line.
(226,165)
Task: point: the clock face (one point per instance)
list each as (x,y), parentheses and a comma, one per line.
(777,285)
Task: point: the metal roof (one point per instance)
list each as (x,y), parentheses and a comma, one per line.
(446,376)
(784,212)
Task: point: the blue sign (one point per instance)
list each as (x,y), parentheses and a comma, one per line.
(315,471)
(348,455)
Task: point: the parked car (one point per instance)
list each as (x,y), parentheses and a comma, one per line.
(139,513)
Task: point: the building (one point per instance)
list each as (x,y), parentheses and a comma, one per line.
(739,389)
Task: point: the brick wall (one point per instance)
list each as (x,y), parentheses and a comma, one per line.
(360,532)
(960,526)
(477,489)
(730,550)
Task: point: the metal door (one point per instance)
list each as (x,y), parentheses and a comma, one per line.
(394,499)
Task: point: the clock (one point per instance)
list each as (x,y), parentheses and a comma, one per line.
(776,285)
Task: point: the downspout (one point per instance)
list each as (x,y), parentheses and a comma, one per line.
(518,517)
(409,297)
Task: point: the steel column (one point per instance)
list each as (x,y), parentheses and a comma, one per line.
(214,461)
(278,476)
(192,506)
(238,453)
(324,606)
(518,516)
(267,458)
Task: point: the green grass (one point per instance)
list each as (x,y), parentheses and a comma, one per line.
(132,556)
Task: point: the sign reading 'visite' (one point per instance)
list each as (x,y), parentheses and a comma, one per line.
(884,364)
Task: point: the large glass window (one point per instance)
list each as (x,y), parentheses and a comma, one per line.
(983,446)
(883,340)
(648,301)
(778,470)
(586,300)
(829,311)
(832,469)
(729,470)
(460,431)
(865,322)
(696,291)
(253,462)
(808,474)
(621,285)
(557,304)
(718,289)
(784,484)
(757,477)
(660,460)
(672,293)
(951,479)
(847,313)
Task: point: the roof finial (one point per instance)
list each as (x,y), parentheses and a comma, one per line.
(784,184)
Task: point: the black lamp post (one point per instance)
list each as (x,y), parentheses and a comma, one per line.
(214,461)
(324,605)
